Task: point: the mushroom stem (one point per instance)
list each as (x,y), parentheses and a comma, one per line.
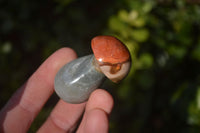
(76,80)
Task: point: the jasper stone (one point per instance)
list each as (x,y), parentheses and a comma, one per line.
(112,56)
(108,49)
(76,80)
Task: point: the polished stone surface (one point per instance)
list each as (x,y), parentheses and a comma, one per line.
(77,79)
(112,56)
(108,49)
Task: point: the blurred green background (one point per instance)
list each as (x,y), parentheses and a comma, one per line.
(162,91)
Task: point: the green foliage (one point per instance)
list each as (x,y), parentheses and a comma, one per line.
(161,92)
(163,38)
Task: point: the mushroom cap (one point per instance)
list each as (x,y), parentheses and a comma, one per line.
(112,57)
(108,49)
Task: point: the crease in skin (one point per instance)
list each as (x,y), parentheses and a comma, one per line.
(31,118)
(60,124)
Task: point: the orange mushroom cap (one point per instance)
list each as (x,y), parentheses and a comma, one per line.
(108,49)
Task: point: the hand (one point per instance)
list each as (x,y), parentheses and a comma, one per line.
(25,104)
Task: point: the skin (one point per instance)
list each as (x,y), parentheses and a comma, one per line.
(28,100)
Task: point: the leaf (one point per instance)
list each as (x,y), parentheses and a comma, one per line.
(145,61)
(123,15)
(177,51)
(116,24)
(140,35)
(139,22)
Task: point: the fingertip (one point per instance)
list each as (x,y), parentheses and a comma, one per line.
(100,99)
(96,121)
(61,57)
(68,51)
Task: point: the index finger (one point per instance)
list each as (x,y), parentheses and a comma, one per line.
(25,104)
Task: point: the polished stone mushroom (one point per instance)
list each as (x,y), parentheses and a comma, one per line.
(76,80)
